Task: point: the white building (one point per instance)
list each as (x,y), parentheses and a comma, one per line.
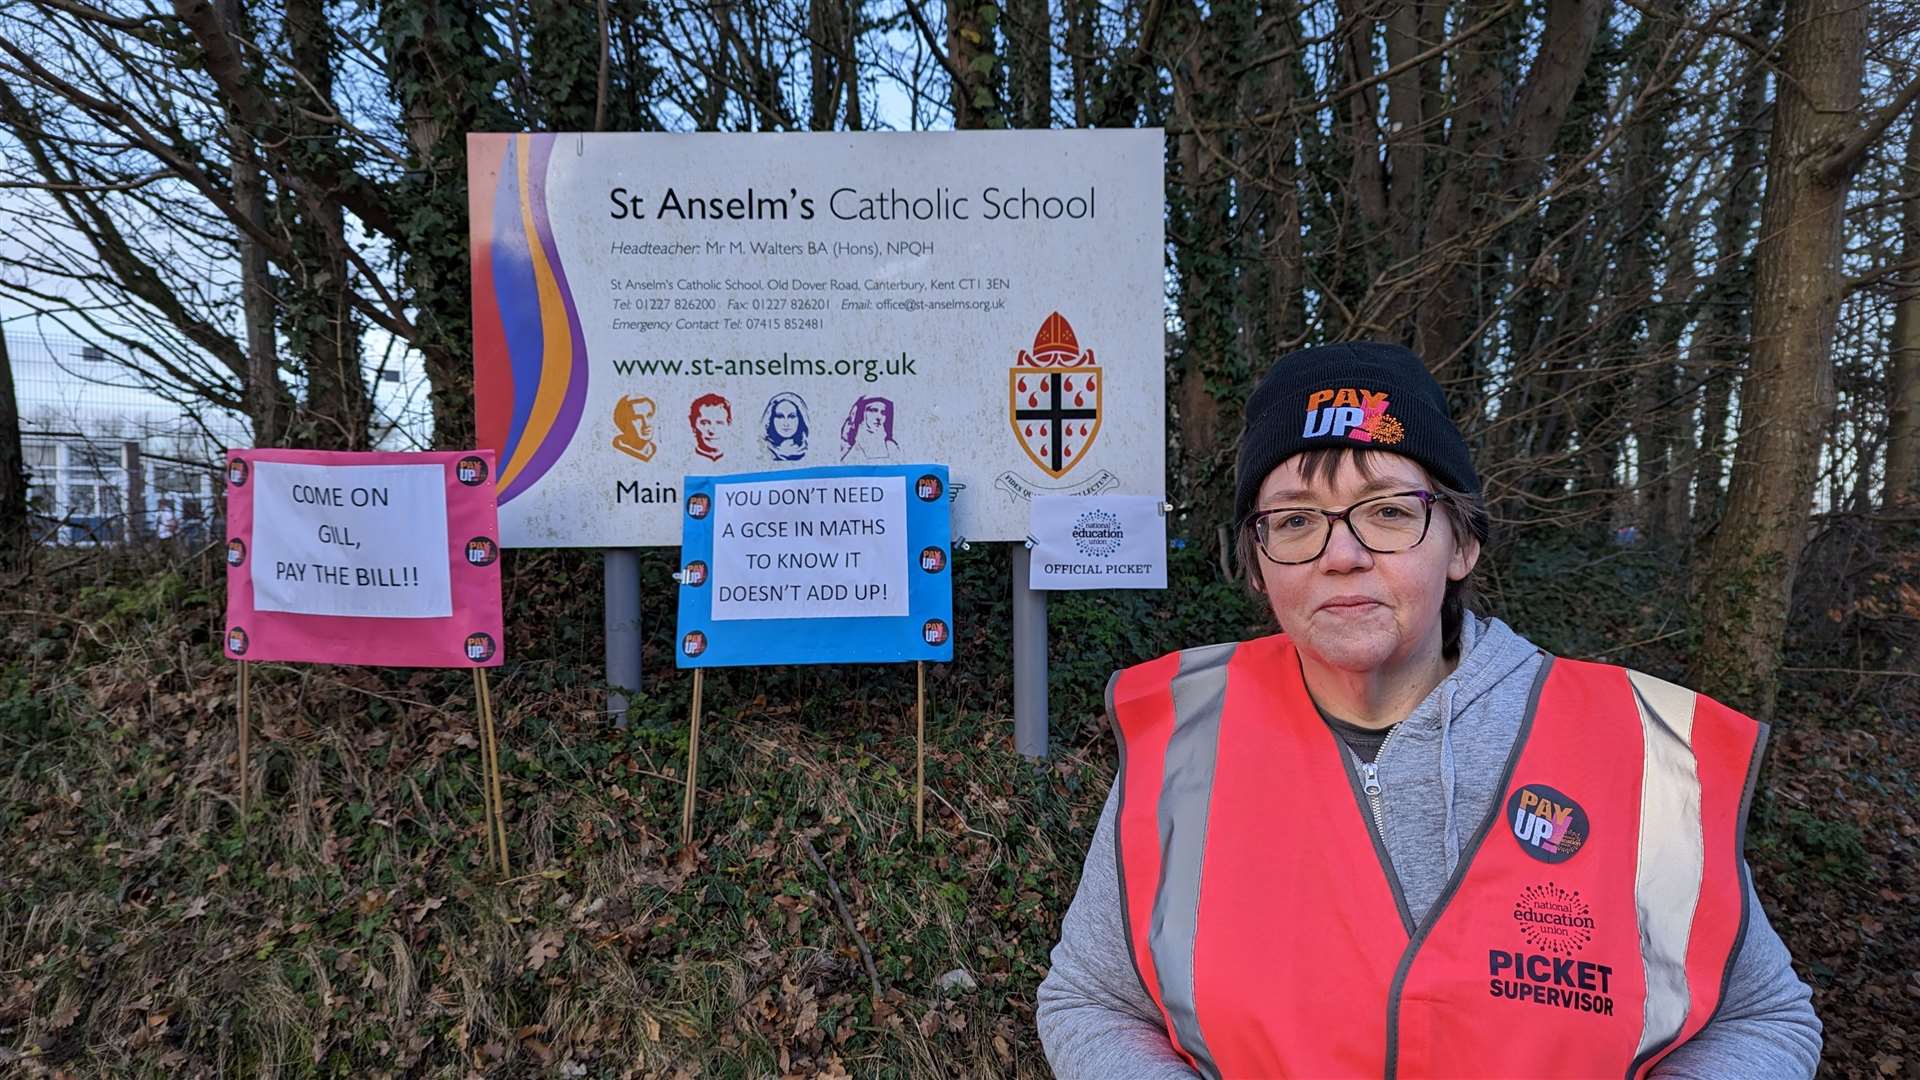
(84,421)
(85,418)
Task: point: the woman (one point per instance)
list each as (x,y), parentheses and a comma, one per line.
(867,433)
(1397,838)
(783,427)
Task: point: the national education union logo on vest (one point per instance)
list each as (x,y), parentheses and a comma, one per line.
(1053,398)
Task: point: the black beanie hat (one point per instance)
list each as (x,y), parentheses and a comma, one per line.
(1362,395)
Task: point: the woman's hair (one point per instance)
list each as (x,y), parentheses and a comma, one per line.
(1465,514)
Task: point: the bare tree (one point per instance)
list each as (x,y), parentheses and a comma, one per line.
(1720,338)
(1903,353)
(15,534)
(1029,37)
(1787,397)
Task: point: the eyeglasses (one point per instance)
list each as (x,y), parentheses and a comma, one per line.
(1384,525)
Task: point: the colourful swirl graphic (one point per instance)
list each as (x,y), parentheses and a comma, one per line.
(529,355)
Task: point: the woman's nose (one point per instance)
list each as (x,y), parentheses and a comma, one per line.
(1344,549)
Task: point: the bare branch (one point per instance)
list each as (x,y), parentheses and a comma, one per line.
(1841,163)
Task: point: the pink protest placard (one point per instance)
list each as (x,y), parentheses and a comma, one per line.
(383,559)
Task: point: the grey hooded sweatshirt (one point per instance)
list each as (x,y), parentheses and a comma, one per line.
(1437,774)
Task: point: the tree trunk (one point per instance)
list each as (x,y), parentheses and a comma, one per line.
(823,63)
(1080,16)
(1671,407)
(14,531)
(1200,216)
(1903,354)
(563,58)
(1366,176)
(268,401)
(1489,155)
(1406,141)
(1720,340)
(850,62)
(1285,316)
(1272,154)
(1029,35)
(1788,393)
(439,72)
(1634,339)
(970,47)
(320,323)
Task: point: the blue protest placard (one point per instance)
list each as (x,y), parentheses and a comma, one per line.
(836,565)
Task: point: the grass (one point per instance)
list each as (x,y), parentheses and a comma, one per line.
(349,927)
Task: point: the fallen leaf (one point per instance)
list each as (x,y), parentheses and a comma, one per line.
(425,906)
(544,947)
(809,1017)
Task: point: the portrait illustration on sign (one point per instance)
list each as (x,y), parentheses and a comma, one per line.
(711,418)
(632,416)
(783,427)
(867,433)
(1053,398)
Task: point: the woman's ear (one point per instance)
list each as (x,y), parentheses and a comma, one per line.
(1465,557)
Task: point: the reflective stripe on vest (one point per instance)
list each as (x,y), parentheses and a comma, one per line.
(1586,932)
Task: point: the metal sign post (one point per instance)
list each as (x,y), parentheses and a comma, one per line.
(622,596)
(1029,659)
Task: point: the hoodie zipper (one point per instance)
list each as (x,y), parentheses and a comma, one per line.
(1370,785)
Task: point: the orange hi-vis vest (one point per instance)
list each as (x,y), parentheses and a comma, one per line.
(1587,930)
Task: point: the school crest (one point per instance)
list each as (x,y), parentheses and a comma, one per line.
(1053,398)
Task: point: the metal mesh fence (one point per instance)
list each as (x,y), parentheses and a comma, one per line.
(106,457)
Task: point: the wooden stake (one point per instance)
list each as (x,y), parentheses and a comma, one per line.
(693,763)
(486,772)
(493,756)
(246,695)
(920,750)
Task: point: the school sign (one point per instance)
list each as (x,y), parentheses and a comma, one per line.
(649,307)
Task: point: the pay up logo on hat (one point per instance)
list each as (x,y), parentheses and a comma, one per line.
(1360,415)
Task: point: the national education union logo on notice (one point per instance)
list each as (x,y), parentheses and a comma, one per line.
(1098,534)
